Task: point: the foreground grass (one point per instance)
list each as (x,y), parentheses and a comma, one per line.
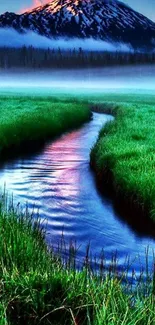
(125,154)
(35,288)
(26,120)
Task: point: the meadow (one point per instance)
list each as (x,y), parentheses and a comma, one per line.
(36,287)
(124,155)
(30,120)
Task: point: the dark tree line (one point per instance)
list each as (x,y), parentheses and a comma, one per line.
(29,57)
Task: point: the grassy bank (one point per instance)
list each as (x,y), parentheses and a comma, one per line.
(124,155)
(26,120)
(35,288)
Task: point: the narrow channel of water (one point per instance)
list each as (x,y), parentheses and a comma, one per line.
(58,180)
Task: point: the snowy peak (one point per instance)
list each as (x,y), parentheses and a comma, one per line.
(109,20)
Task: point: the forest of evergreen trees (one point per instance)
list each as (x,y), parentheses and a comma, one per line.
(32,58)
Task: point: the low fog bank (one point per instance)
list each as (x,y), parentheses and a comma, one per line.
(11,38)
(134,78)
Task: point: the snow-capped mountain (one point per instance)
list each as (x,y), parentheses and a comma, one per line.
(109,20)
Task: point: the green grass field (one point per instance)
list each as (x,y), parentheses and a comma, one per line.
(125,152)
(35,288)
(32,119)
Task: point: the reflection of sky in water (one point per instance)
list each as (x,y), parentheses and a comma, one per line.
(59,181)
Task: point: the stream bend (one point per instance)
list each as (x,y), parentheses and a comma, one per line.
(59,181)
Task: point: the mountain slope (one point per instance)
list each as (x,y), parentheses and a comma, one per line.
(109,20)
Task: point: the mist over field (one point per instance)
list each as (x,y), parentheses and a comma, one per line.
(11,38)
(114,78)
(99,79)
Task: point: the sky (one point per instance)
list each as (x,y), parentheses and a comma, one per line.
(146,7)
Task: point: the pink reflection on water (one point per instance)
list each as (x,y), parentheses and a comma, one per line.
(65,157)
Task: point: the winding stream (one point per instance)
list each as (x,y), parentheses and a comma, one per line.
(58,180)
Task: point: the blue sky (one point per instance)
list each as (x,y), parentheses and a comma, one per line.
(146,7)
